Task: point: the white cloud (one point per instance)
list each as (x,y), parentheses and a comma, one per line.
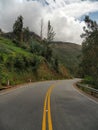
(63,15)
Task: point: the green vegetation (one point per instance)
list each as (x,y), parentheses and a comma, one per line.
(68,54)
(18,28)
(25,57)
(18,65)
(89,62)
(50,33)
(16,62)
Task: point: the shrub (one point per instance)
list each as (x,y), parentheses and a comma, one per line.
(36,48)
(88,80)
(4,78)
(19,62)
(35,62)
(17,43)
(1,58)
(10,62)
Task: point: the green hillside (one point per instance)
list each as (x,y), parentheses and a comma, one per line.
(18,65)
(68,54)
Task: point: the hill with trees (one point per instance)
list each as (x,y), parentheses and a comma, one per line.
(25,57)
(69,54)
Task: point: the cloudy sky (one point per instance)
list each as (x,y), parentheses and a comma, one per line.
(66,16)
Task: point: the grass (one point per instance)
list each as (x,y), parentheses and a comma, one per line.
(8,47)
(9,52)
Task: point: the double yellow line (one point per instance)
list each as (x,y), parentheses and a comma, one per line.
(47,111)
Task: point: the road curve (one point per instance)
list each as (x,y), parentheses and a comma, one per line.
(66,109)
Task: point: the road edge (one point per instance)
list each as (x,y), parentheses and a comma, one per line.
(90,97)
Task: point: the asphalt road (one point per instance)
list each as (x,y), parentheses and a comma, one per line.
(51,105)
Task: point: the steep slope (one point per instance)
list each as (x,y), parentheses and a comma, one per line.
(18,65)
(68,54)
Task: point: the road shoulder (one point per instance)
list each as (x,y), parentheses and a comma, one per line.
(85,94)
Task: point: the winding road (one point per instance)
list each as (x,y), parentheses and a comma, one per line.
(50,105)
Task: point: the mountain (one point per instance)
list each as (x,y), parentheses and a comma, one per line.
(69,54)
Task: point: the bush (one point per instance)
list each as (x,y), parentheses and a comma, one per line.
(48,53)
(9,63)
(36,48)
(4,79)
(88,80)
(1,58)
(17,43)
(19,62)
(35,62)
(92,81)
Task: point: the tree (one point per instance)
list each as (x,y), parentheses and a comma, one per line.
(1,31)
(26,34)
(41,32)
(56,64)
(18,28)
(48,53)
(50,33)
(90,50)
(91,27)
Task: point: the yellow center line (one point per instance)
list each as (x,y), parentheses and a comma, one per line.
(47,102)
(44,113)
(49,111)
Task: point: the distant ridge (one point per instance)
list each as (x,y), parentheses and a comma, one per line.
(69,54)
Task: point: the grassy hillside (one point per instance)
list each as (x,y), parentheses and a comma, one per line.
(18,65)
(68,54)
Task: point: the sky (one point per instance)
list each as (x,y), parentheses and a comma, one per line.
(66,16)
